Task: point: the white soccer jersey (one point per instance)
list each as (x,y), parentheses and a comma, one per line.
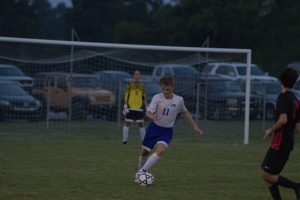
(166,109)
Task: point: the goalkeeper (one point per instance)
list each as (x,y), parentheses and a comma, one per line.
(134,106)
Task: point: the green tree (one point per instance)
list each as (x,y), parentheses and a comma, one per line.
(16,18)
(279,30)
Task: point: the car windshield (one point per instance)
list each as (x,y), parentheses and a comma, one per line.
(10,71)
(185,71)
(207,68)
(85,82)
(255,71)
(223,86)
(119,75)
(8,89)
(152,88)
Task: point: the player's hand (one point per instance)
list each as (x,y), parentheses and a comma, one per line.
(150,115)
(198,131)
(267,134)
(125,109)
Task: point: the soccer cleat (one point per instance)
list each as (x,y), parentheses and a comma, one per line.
(124,142)
(137,175)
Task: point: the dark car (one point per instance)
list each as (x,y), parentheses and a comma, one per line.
(151,88)
(185,80)
(222,99)
(16,103)
(268,91)
(14,74)
(115,81)
(110,79)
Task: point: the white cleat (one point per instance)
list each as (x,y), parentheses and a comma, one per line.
(137,176)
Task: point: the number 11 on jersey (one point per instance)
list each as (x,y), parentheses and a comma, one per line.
(166,111)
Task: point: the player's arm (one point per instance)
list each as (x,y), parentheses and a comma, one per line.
(297,127)
(127,90)
(192,123)
(151,115)
(278,124)
(125,108)
(151,111)
(144,97)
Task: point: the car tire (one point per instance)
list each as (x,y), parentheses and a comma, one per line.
(42,114)
(215,114)
(79,111)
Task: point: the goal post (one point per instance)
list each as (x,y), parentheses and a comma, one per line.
(37,56)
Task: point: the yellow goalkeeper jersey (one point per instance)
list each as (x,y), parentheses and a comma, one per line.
(135,95)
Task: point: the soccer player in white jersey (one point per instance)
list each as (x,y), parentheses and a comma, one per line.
(163,111)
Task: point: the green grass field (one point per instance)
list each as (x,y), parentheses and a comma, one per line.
(49,164)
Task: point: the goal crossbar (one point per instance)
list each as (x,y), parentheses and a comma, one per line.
(124,46)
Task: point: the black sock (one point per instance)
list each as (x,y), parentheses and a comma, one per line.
(284,182)
(297,191)
(275,192)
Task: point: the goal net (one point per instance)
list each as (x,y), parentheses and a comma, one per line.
(78,88)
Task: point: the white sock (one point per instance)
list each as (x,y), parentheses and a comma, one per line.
(142,160)
(150,162)
(142,133)
(125,133)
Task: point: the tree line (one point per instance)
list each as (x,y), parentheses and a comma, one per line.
(271,28)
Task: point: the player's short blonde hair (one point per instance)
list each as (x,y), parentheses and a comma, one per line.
(167,80)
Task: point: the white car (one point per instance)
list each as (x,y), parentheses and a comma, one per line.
(236,71)
(295,66)
(296,89)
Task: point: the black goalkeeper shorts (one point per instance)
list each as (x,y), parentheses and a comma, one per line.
(135,116)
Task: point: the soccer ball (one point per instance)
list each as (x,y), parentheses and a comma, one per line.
(146,179)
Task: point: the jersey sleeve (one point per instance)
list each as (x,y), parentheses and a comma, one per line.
(281,106)
(183,108)
(153,105)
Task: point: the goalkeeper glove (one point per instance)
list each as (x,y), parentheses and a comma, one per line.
(125,109)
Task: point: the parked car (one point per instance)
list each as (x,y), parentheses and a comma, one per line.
(115,81)
(151,88)
(75,94)
(268,91)
(185,80)
(236,71)
(296,89)
(16,103)
(221,99)
(14,74)
(110,80)
(295,66)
